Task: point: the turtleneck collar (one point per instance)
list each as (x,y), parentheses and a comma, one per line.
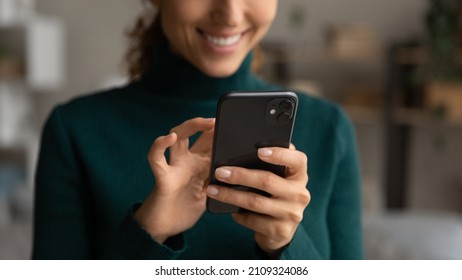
(173,76)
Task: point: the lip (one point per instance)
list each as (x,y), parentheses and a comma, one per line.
(221,49)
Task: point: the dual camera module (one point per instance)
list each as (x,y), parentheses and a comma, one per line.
(280,110)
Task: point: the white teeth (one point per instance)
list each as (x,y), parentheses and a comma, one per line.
(223,41)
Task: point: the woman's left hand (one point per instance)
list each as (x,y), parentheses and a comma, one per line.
(275,218)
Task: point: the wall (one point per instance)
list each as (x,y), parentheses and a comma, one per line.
(394,19)
(95,44)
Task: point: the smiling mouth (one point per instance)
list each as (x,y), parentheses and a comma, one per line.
(221,41)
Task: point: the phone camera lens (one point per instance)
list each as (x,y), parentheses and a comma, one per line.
(283,117)
(287,105)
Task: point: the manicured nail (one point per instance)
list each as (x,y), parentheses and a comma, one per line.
(265,152)
(211,190)
(222,173)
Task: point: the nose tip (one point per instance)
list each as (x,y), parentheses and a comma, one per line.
(228,12)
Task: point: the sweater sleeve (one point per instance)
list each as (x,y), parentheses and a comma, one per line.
(63,223)
(301,247)
(344,210)
(131,241)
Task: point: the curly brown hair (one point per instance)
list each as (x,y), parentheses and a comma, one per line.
(142,38)
(145,33)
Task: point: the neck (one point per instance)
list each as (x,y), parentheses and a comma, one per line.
(171,75)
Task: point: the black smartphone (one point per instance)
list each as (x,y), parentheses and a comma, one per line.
(245,122)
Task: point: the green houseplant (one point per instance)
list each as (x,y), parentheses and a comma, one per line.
(444,28)
(444,85)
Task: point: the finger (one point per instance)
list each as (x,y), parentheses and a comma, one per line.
(186,130)
(180,147)
(192,126)
(292,146)
(258,179)
(296,162)
(203,144)
(255,222)
(246,200)
(156,154)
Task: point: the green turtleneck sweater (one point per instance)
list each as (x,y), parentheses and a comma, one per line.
(92,173)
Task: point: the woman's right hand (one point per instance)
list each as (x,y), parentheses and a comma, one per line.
(178,199)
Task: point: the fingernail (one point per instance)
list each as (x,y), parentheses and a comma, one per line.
(210,119)
(222,173)
(265,152)
(211,190)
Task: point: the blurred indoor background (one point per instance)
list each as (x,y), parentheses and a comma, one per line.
(395,66)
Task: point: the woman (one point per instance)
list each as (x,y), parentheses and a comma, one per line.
(98,198)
